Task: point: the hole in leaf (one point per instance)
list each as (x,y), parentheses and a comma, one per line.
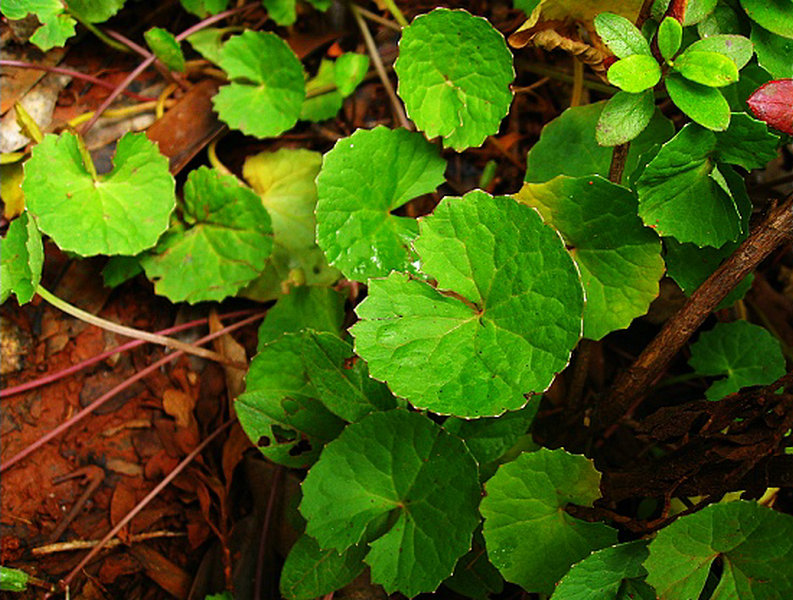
(302,446)
(283,435)
(714,576)
(263,442)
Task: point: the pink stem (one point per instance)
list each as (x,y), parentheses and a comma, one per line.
(64,583)
(76,74)
(116,390)
(128,43)
(30,385)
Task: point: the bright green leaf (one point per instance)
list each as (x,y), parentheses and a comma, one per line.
(123,212)
(22,257)
(567,145)
(304,307)
(489,438)
(527,6)
(754,544)
(350,70)
(320,5)
(328,100)
(310,572)
(529,536)
(681,194)
(403,485)
(774,52)
(704,105)
(736,47)
(621,35)
(746,354)
(697,10)
(54,31)
(267,87)
(224,246)
(635,73)
(747,142)
(670,35)
(280,411)
(604,575)
(618,257)
(204,8)
(283,12)
(208,42)
(94,11)
(472,346)
(19,9)
(708,68)
(774,15)
(119,269)
(752,77)
(284,180)
(363,178)
(624,117)
(164,45)
(454,73)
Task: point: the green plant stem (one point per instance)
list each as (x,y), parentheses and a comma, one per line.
(394,10)
(133,333)
(101,35)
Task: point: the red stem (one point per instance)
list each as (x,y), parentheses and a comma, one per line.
(128,43)
(76,74)
(116,390)
(30,385)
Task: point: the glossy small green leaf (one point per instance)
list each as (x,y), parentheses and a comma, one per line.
(624,117)
(351,68)
(618,257)
(283,12)
(284,180)
(697,10)
(708,68)
(310,572)
(754,544)
(123,212)
(471,347)
(744,353)
(279,410)
(22,257)
(489,438)
(747,143)
(736,47)
(165,47)
(621,35)
(413,485)
(304,307)
(704,105)
(608,574)
(208,42)
(681,194)
(267,86)
(454,73)
(670,35)
(223,247)
(568,146)
(327,101)
(774,52)
(774,15)
(13,580)
(635,73)
(530,538)
(204,8)
(363,178)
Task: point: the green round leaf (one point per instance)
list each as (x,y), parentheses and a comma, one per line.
(123,212)
(403,485)
(608,574)
(621,35)
(567,145)
(22,257)
(747,143)
(746,354)
(618,257)
(682,195)
(164,45)
(208,42)
(223,247)
(310,572)
(284,180)
(774,52)
(473,347)
(95,11)
(283,12)
(267,87)
(708,68)
(454,73)
(774,15)
(754,543)
(670,36)
(489,438)
(635,73)
(624,117)
(704,105)
(529,536)
(304,307)
(363,178)
(736,47)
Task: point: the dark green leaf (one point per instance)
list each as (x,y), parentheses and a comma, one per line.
(489,438)
(22,257)
(774,52)
(475,576)
(670,35)
(635,73)
(624,117)
(708,68)
(774,15)
(747,143)
(304,307)
(621,36)
(723,19)
(204,8)
(310,572)
(704,105)
(119,269)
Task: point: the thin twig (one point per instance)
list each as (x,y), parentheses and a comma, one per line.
(64,583)
(378,19)
(399,111)
(258,581)
(87,544)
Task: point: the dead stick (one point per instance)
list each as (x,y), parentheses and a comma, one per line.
(632,384)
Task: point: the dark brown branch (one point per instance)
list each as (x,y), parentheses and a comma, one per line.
(633,384)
